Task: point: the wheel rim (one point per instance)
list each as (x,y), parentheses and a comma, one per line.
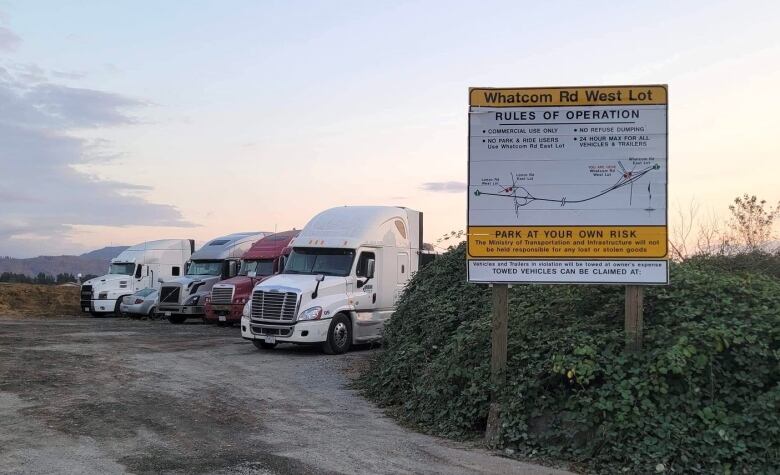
(340,334)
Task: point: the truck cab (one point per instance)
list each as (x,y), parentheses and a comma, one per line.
(137,267)
(184,297)
(341,282)
(264,259)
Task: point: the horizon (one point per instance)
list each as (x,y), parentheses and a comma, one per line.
(127,122)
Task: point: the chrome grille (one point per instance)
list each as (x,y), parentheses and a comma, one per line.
(86,295)
(274,305)
(222,295)
(169,294)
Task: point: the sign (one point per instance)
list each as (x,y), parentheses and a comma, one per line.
(568,185)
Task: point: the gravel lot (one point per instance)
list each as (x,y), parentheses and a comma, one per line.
(111,395)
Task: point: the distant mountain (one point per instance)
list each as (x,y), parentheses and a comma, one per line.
(94,262)
(106,253)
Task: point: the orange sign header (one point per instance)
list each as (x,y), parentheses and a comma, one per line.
(568,96)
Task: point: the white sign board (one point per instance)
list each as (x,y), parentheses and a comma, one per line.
(568,185)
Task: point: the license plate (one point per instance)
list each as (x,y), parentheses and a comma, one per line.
(167,314)
(270,339)
(222,318)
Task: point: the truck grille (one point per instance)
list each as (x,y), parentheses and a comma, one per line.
(86,295)
(169,294)
(274,305)
(222,295)
(281,331)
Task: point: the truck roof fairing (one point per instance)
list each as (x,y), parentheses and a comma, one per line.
(230,246)
(350,227)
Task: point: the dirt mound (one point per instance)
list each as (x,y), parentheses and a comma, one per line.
(38,301)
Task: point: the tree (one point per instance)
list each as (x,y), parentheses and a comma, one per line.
(751,221)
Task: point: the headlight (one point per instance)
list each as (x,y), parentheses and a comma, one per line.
(313,313)
(247,309)
(192,300)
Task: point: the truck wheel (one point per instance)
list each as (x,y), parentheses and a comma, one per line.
(261,345)
(117,312)
(339,336)
(177,319)
(96,314)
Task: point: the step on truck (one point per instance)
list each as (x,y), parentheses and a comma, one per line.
(264,259)
(184,297)
(341,282)
(137,267)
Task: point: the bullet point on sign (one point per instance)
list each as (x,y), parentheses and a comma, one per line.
(483,131)
(483,140)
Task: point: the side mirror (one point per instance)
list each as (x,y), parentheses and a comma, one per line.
(370,266)
(138,270)
(160,280)
(319,278)
(251,273)
(232,268)
(282,263)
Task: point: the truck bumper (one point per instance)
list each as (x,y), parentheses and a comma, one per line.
(230,312)
(188,310)
(300,332)
(101,306)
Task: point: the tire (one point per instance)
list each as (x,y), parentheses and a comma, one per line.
(261,345)
(177,319)
(96,314)
(117,312)
(151,312)
(339,335)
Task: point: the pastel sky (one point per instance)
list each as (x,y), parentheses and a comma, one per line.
(125,121)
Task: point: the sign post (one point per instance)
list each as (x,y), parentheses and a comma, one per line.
(568,185)
(498,337)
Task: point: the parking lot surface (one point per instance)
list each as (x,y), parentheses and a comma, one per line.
(111,395)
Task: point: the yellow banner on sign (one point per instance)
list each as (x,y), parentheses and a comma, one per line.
(580,242)
(568,96)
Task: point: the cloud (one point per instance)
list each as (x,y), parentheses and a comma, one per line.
(444,186)
(76,107)
(42,194)
(8,39)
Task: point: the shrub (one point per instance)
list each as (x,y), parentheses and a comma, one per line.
(703,396)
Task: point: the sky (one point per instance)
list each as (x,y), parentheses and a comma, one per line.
(126,121)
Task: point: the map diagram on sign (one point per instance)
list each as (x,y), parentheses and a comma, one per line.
(521,196)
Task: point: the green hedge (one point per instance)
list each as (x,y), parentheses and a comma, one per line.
(704,395)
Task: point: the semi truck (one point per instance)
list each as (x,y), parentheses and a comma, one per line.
(264,259)
(184,297)
(341,282)
(137,267)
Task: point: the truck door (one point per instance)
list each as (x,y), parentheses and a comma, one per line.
(142,277)
(402,275)
(369,321)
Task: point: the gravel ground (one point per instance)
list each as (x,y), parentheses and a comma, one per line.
(111,395)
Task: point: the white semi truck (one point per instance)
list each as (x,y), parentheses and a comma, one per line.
(137,267)
(340,284)
(184,297)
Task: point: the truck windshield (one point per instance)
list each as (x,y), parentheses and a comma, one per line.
(205,268)
(125,268)
(259,267)
(305,260)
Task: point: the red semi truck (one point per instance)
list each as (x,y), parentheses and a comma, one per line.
(264,259)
